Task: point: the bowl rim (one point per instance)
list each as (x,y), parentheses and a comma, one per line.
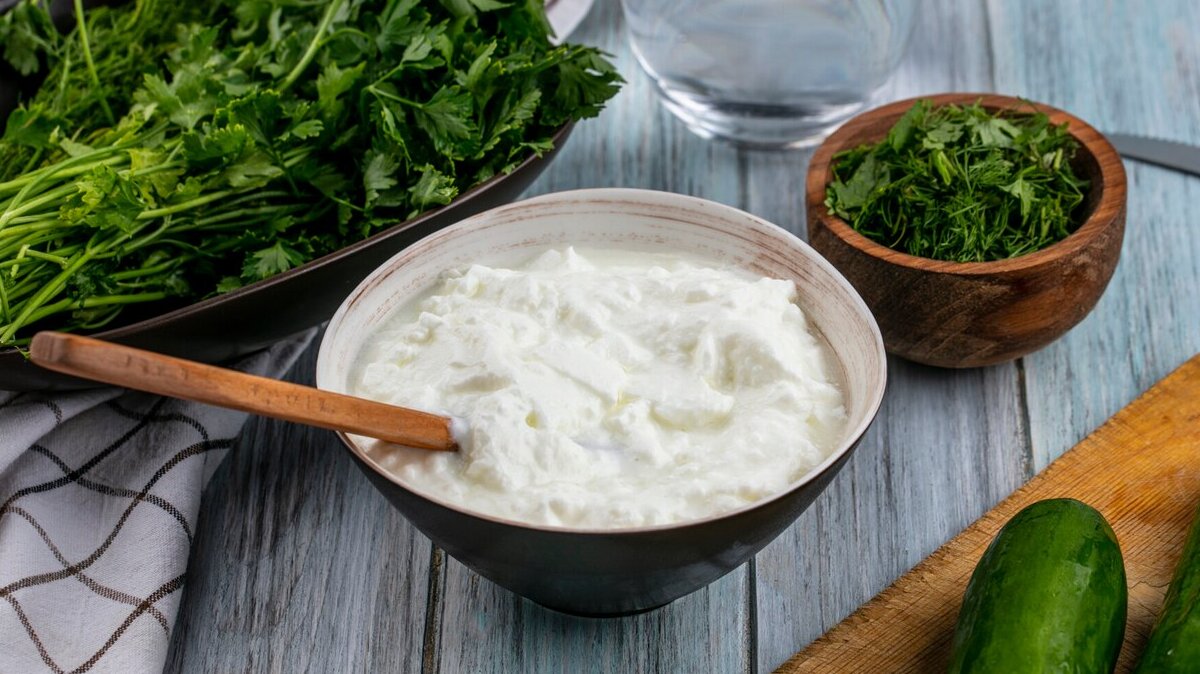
(618,195)
(1108,205)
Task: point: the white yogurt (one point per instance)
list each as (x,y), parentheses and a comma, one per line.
(607,389)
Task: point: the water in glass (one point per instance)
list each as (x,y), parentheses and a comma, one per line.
(778,73)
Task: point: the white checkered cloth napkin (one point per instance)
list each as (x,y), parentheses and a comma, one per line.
(99,493)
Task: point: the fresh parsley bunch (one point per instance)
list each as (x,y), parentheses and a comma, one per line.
(179,149)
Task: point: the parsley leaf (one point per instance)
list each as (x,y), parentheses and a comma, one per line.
(432,189)
(30,127)
(378,177)
(267,262)
(448,120)
(870,176)
(26,34)
(332,83)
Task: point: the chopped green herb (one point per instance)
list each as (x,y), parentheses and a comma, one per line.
(182,149)
(962,184)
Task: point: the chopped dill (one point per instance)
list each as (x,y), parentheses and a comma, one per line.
(962,184)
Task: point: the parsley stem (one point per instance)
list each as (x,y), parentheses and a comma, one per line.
(185,206)
(87,58)
(47,291)
(93,302)
(56,259)
(21,223)
(151,170)
(18,291)
(346,30)
(379,93)
(137,13)
(39,224)
(4,300)
(62,82)
(313,46)
(234,215)
(144,271)
(257,196)
(33,160)
(61,170)
(13,210)
(47,237)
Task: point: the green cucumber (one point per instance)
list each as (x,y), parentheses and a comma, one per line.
(1174,645)
(1048,595)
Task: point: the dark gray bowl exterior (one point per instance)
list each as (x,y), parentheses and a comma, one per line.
(618,573)
(597,571)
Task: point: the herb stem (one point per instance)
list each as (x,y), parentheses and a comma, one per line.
(319,38)
(49,257)
(61,170)
(92,303)
(379,93)
(185,206)
(81,23)
(7,313)
(47,291)
(62,81)
(33,160)
(144,271)
(14,210)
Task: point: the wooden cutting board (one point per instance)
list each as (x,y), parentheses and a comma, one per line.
(1141,469)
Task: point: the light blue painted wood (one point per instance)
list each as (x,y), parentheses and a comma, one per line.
(946,445)
(286,572)
(484,628)
(1132,67)
(634,142)
(299,564)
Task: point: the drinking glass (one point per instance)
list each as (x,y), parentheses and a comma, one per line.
(769,73)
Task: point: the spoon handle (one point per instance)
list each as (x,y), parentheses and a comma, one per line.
(178,378)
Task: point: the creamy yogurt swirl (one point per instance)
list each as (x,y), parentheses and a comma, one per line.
(607,389)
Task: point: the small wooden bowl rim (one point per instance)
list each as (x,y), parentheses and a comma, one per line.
(1107,205)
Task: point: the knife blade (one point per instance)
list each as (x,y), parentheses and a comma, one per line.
(1170,154)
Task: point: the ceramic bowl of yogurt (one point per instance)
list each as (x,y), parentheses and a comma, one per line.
(651,387)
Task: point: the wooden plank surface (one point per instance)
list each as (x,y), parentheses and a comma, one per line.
(287,574)
(483,628)
(1132,67)
(1141,470)
(945,447)
(299,564)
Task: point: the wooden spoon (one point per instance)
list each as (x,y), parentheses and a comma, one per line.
(178,378)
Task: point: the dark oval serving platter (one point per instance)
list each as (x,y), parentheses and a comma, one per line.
(253,317)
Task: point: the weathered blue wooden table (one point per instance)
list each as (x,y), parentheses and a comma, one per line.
(299,565)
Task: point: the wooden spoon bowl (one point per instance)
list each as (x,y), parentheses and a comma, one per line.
(971,314)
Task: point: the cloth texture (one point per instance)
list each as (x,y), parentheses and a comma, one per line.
(99,494)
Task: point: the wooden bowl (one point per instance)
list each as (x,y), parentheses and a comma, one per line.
(971,314)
